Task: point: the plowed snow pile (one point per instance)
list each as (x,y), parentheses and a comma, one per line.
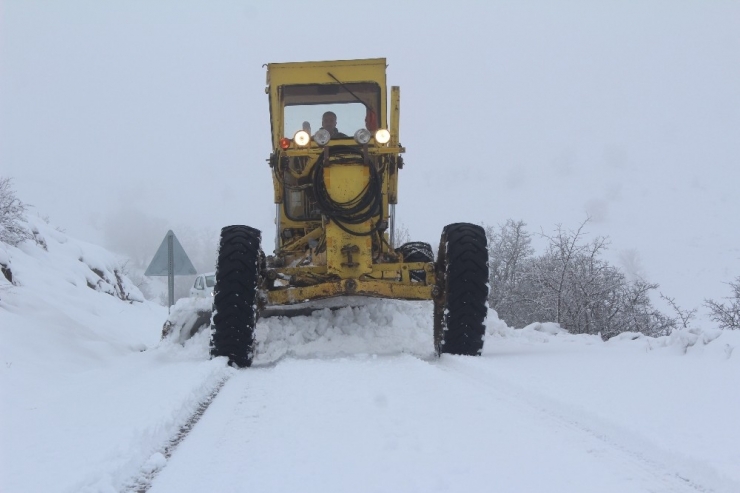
(367,326)
(378,327)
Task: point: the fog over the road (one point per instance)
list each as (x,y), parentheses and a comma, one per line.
(123,120)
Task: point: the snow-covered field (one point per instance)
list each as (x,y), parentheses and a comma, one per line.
(344,400)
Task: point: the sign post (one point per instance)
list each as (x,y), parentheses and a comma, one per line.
(170,260)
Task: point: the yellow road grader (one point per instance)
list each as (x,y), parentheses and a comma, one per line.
(335,196)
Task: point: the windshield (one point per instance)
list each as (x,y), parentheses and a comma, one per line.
(355,106)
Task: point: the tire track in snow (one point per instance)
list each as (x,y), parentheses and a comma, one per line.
(400,423)
(660,468)
(158,461)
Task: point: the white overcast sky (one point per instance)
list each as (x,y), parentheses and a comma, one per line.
(542,111)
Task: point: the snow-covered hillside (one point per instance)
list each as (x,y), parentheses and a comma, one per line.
(344,400)
(69,303)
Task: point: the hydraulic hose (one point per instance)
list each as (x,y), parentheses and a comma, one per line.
(363,207)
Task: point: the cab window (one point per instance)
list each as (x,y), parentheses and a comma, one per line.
(352,103)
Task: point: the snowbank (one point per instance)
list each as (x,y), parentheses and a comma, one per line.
(85,396)
(69,305)
(697,342)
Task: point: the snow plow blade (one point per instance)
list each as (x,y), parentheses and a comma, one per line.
(308,307)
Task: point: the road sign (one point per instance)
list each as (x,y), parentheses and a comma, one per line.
(170,260)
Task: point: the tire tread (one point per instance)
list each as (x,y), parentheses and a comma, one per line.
(234,300)
(460,314)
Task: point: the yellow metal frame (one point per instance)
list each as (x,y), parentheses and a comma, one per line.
(349,287)
(348,71)
(334,273)
(367,285)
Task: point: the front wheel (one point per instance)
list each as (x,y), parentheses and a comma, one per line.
(462,285)
(235,295)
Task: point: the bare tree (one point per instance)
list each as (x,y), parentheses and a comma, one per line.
(137,278)
(638,314)
(509,247)
(684,316)
(570,284)
(12,228)
(727,315)
(401,235)
(566,256)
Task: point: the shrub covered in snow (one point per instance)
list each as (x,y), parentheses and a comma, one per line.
(727,315)
(12,228)
(48,252)
(570,284)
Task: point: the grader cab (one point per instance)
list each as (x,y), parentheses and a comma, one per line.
(335,163)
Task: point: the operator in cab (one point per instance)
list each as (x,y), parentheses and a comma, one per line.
(329,123)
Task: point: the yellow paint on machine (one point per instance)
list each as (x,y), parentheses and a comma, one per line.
(346,182)
(373,288)
(347,255)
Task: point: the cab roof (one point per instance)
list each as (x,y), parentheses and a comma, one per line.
(363,70)
(326,72)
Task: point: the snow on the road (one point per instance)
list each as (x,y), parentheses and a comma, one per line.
(344,400)
(92,430)
(378,424)
(399,423)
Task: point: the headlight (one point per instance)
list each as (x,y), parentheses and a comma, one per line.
(301,138)
(382,136)
(362,136)
(322,137)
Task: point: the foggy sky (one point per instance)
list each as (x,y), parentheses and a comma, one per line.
(140,115)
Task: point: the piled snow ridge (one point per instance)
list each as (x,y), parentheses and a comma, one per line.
(376,327)
(364,327)
(187,317)
(689,341)
(66,301)
(383,327)
(712,342)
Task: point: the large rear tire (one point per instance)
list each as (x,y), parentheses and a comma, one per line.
(235,295)
(462,281)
